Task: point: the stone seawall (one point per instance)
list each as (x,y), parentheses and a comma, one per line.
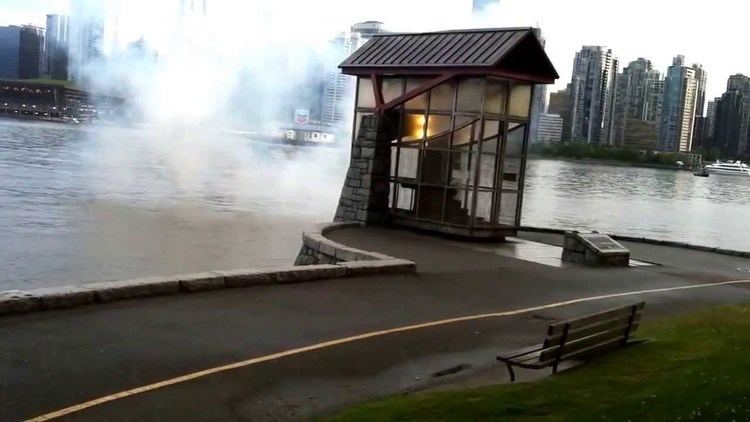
(324,260)
(317,249)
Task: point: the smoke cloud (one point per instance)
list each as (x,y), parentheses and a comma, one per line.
(191,80)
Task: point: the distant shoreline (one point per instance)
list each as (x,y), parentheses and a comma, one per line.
(609,162)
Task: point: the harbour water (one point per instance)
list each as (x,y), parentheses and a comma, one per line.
(80,205)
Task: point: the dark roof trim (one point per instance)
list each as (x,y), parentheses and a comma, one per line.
(515,51)
(456,31)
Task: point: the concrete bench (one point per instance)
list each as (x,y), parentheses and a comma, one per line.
(585,336)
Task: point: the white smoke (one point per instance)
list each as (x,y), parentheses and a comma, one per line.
(241,66)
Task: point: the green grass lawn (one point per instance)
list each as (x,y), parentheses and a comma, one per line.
(696,368)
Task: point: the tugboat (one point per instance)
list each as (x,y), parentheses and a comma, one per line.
(700,171)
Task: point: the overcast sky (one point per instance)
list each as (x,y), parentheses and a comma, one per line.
(711,33)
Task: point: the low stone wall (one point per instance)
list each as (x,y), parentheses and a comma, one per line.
(332,260)
(317,249)
(720,251)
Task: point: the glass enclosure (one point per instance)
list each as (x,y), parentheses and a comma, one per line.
(460,153)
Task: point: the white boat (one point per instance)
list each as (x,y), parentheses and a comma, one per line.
(729,167)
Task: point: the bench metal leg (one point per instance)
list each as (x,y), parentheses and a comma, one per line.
(510,370)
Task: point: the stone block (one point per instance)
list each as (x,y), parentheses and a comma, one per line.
(17,301)
(109,291)
(309,273)
(391,266)
(312,241)
(247,278)
(328,248)
(353,183)
(368,152)
(63,296)
(361,215)
(348,254)
(201,282)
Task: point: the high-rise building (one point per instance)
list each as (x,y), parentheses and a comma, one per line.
(86,35)
(730,120)
(678,109)
(550,128)
(369,29)
(20,52)
(559,104)
(55,60)
(592,95)
(538,101)
(631,96)
(654,97)
(710,125)
(338,90)
(479,6)
(701,79)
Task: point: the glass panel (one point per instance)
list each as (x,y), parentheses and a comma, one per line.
(434,167)
(489,146)
(437,125)
(458,206)
(414,125)
(441,97)
(431,202)
(511,173)
(408,163)
(495,97)
(365,95)
(514,146)
(491,128)
(462,135)
(405,199)
(392,88)
(420,102)
(470,95)
(487,171)
(520,100)
(463,169)
(508,205)
(484,207)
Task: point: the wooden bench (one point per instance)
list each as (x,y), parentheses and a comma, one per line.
(585,336)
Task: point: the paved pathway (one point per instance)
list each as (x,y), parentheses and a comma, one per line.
(53,360)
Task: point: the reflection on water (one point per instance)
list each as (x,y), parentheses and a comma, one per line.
(84,205)
(663,204)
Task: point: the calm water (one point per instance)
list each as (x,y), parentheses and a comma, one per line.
(83,205)
(660,204)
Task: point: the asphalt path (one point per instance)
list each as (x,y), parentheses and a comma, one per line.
(53,360)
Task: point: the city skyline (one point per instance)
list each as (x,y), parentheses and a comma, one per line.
(659,38)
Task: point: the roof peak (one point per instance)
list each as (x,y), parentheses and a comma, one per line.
(459,31)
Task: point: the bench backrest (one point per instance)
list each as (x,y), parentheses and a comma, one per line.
(591,333)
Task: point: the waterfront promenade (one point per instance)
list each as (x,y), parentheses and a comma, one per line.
(53,360)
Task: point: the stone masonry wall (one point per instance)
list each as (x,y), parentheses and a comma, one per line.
(364,197)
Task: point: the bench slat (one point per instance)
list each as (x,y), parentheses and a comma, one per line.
(575,334)
(559,327)
(597,348)
(613,335)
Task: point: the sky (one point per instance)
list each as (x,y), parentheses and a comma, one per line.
(705,32)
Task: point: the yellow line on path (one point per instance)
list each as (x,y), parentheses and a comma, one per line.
(331,343)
